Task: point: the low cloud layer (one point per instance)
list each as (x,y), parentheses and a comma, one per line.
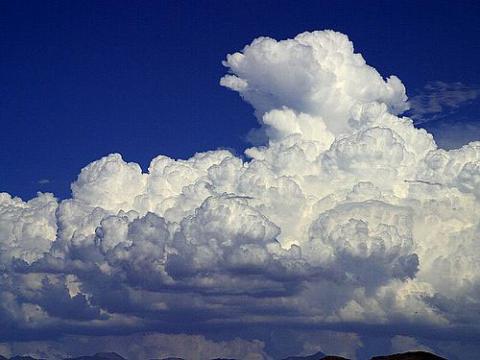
(346,218)
(140,346)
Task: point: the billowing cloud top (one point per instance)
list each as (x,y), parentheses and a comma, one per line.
(347,216)
(316,73)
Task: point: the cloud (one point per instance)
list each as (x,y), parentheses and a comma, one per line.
(316,73)
(140,346)
(439,99)
(347,219)
(402,344)
(330,342)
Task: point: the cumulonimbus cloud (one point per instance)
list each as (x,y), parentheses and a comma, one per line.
(348,214)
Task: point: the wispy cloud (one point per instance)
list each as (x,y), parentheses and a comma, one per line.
(43,181)
(439,99)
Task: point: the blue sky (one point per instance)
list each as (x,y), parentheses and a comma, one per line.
(79,80)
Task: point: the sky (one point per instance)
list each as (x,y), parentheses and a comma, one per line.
(246,179)
(82,80)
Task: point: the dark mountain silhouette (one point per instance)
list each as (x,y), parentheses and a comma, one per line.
(317,356)
(411,355)
(100,356)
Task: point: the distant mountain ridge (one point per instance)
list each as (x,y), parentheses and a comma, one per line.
(317,356)
(411,355)
(100,356)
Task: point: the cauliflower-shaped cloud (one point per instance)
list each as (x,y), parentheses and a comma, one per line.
(346,214)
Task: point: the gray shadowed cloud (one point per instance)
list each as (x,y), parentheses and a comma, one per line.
(439,99)
(449,111)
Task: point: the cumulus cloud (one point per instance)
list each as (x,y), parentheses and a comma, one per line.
(317,73)
(347,216)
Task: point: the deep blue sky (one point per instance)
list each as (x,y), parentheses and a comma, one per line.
(79,80)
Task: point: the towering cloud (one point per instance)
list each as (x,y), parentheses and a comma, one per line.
(347,217)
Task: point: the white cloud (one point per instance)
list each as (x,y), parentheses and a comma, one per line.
(27,228)
(316,73)
(347,215)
